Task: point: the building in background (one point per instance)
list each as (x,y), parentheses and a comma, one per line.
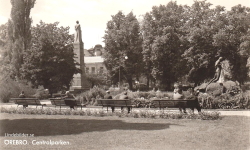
(94,60)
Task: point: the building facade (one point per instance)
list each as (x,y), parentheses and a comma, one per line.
(94,60)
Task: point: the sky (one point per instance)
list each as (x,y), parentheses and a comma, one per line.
(93,15)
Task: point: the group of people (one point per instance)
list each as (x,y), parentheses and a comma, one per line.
(178,95)
(124,95)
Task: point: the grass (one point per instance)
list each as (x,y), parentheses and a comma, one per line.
(113,132)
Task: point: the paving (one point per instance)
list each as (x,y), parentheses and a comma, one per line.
(236,112)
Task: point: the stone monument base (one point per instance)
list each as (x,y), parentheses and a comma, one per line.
(217,88)
(76,91)
(80,84)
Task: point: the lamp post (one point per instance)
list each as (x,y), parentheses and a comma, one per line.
(126,57)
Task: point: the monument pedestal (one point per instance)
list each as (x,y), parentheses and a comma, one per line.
(80,82)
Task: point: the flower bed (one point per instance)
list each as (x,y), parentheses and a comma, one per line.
(214,115)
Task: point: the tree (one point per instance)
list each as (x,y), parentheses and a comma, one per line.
(97,79)
(245,49)
(50,60)
(123,40)
(200,53)
(3,37)
(162,43)
(4,67)
(148,29)
(19,33)
(232,41)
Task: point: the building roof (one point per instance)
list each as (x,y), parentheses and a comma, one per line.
(95,59)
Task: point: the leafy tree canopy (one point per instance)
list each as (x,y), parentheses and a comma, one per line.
(123,48)
(19,33)
(50,60)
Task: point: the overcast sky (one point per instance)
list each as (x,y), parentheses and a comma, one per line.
(94,14)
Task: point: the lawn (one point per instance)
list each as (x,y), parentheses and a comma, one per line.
(115,133)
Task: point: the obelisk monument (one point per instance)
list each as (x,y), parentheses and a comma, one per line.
(79,80)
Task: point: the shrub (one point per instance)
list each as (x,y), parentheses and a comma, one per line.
(10,89)
(210,115)
(224,101)
(148,95)
(142,103)
(41,93)
(91,95)
(161,95)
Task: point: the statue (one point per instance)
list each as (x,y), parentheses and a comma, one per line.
(78,35)
(218,72)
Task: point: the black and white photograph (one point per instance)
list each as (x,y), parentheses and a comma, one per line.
(125,74)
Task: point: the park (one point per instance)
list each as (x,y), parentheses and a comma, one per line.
(177,78)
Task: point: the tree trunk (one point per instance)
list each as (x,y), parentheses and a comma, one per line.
(148,81)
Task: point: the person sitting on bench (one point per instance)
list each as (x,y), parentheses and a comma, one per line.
(178,95)
(108,96)
(23,96)
(125,96)
(68,95)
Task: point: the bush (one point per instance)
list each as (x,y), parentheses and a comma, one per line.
(224,101)
(147,95)
(90,96)
(41,93)
(11,89)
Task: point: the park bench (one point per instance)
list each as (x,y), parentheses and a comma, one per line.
(182,103)
(56,95)
(27,101)
(71,102)
(115,103)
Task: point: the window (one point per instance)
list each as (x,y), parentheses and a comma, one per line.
(87,69)
(101,69)
(92,69)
